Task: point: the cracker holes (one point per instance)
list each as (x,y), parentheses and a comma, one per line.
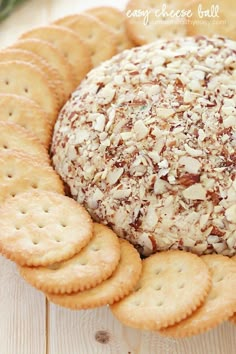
(12,194)
(7,82)
(10,114)
(46,210)
(160,303)
(219,279)
(23,211)
(212,296)
(34,185)
(17,227)
(35,242)
(5,146)
(26,90)
(58,240)
(41,226)
(181,286)
(95,248)
(54,266)
(63,224)
(180,270)
(91,36)
(9,175)
(158,287)
(137,288)
(157,271)
(83,263)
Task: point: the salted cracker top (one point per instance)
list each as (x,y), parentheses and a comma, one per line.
(148,144)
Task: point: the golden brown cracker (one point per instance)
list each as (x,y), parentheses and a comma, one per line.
(115,20)
(27,114)
(120,284)
(20,172)
(219,305)
(41,228)
(53,57)
(233,318)
(29,57)
(95,263)
(145,22)
(172,285)
(99,39)
(25,79)
(212,17)
(14,137)
(65,20)
(69,44)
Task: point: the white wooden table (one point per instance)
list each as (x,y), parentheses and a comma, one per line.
(30,325)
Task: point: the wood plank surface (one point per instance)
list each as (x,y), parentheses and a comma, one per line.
(22,314)
(25,318)
(80,332)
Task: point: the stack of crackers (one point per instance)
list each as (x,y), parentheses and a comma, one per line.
(51,237)
(181,294)
(77,263)
(57,247)
(59,250)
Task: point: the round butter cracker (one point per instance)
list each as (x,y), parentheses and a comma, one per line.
(26,113)
(53,57)
(95,263)
(69,44)
(21,78)
(152,25)
(233,318)
(172,285)
(219,305)
(29,57)
(14,137)
(20,172)
(115,20)
(219,21)
(120,284)
(98,37)
(41,228)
